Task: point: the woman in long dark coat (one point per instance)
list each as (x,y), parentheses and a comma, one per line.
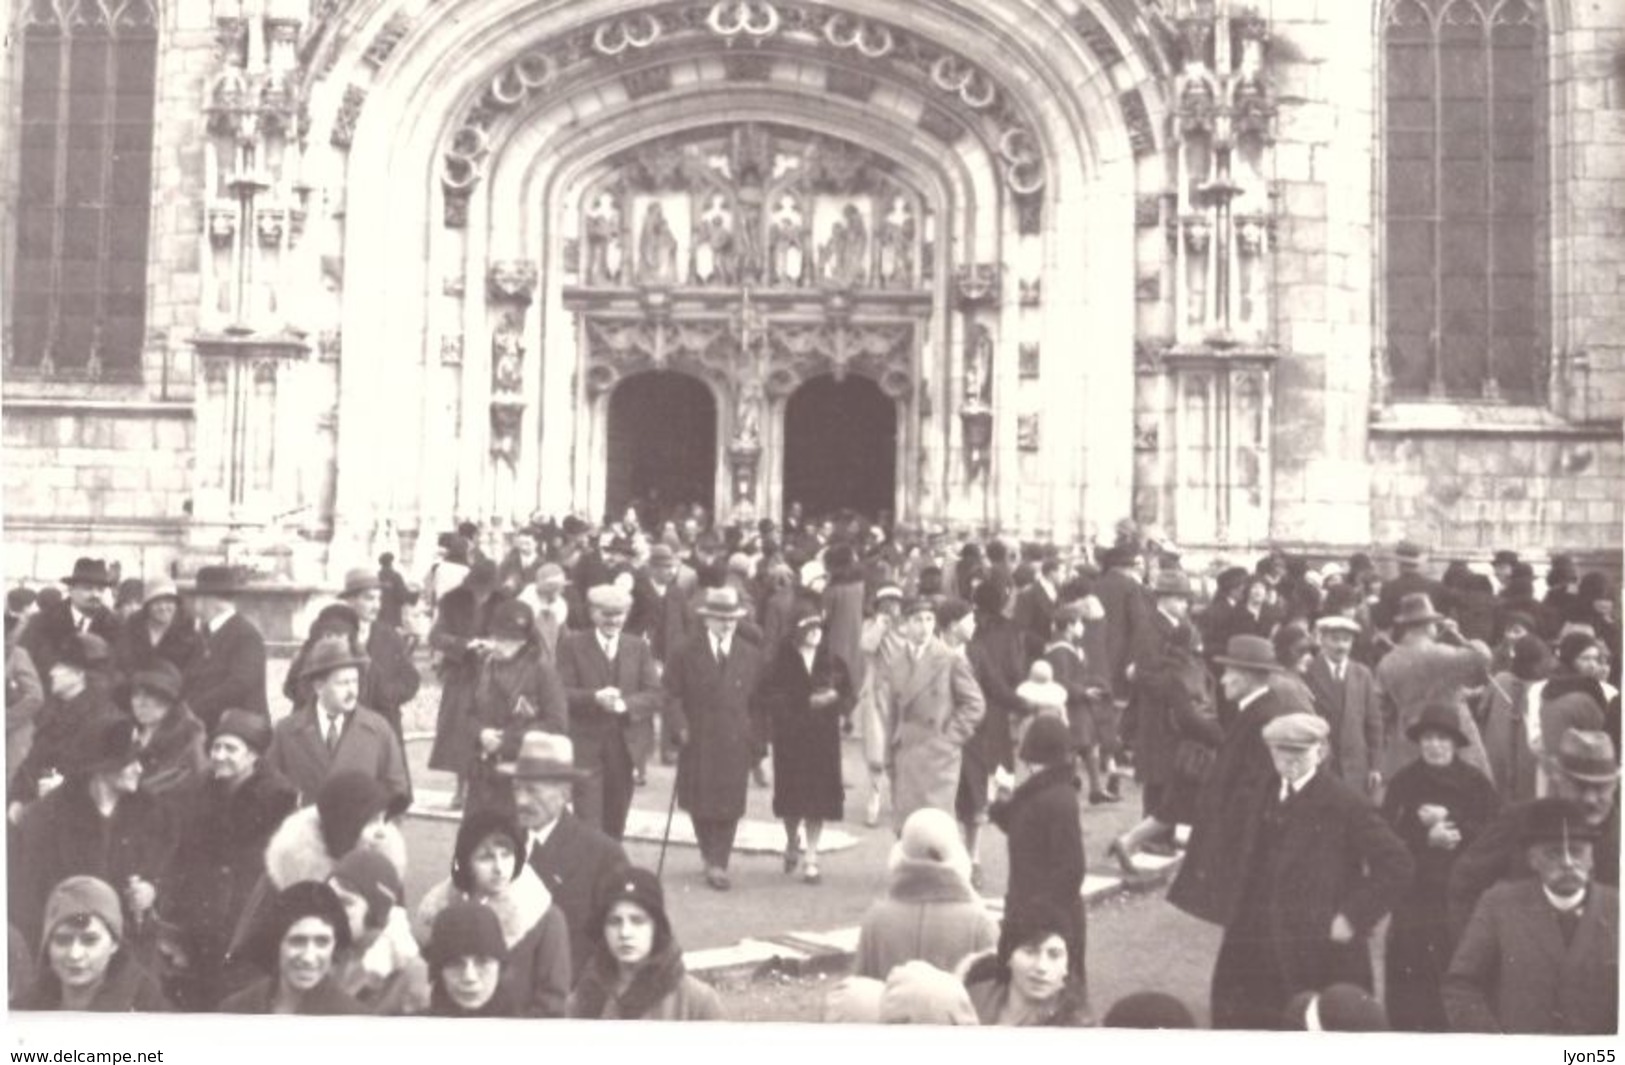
(808,689)
(1040,820)
(1437,804)
(458,638)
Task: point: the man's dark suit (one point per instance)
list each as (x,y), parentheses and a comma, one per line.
(227,672)
(578,864)
(602,738)
(49,633)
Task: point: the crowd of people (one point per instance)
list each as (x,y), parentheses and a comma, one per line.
(1349,743)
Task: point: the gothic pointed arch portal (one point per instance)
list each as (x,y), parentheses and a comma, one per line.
(661,448)
(840,447)
(755,257)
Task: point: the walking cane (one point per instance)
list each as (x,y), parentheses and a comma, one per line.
(671,811)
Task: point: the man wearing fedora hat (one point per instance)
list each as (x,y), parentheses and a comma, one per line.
(1212,878)
(574,860)
(1540,955)
(1321,869)
(1345,694)
(1410,561)
(711,684)
(1424,669)
(84,610)
(612,687)
(228,670)
(98,823)
(1586,772)
(336,733)
(390,680)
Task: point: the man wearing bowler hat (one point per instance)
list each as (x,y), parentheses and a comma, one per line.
(612,686)
(1346,695)
(574,860)
(1585,772)
(1212,878)
(228,670)
(1322,868)
(390,680)
(1540,955)
(712,685)
(336,733)
(50,633)
(1433,663)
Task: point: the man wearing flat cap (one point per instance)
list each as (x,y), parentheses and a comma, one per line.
(1322,870)
(390,680)
(1585,772)
(612,686)
(1345,694)
(228,670)
(1540,955)
(336,733)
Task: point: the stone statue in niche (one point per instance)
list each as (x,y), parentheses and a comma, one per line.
(657,247)
(715,259)
(751,249)
(897,237)
(788,244)
(606,256)
(842,258)
(508,356)
(748,427)
(979,368)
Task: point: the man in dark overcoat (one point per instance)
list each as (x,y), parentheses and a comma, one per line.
(50,633)
(612,686)
(712,687)
(1585,772)
(1322,869)
(390,680)
(1346,696)
(1128,612)
(1213,875)
(574,860)
(226,819)
(1541,954)
(228,669)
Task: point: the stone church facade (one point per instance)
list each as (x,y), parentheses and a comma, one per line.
(321,276)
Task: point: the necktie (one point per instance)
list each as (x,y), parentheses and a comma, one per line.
(84,623)
(335,725)
(1338,672)
(717,651)
(1568,922)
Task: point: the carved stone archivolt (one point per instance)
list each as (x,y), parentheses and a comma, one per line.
(974,96)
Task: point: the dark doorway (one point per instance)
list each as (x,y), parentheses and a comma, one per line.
(662,445)
(840,447)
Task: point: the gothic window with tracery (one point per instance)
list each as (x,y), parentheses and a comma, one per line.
(1464,149)
(89,71)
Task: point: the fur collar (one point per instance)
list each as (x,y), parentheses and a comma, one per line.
(297,852)
(523,903)
(917,881)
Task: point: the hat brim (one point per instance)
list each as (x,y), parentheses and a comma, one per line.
(1420,619)
(729,615)
(94,582)
(1607,777)
(1241,663)
(1416,731)
(359,589)
(1339,624)
(513,771)
(328,667)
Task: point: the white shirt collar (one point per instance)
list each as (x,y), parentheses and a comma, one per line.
(221,618)
(608,643)
(1572,904)
(1049,588)
(1289,790)
(1250,698)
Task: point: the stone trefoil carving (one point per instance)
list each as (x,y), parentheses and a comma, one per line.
(960,86)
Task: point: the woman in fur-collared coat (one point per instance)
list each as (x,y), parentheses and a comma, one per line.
(489,867)
(930,912)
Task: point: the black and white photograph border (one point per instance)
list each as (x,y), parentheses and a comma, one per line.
(1013,513)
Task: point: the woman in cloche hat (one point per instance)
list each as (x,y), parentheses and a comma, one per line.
(86,966)
(514,693)
(162,629)
(169,736)
(1437,804)
(635,971)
